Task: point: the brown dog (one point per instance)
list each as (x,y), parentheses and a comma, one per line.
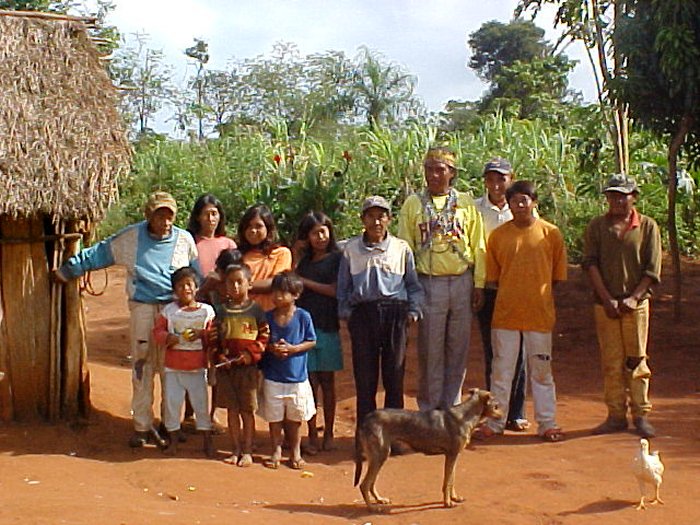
(435,432)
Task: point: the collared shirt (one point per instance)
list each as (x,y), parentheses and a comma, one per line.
(374,272)
(623,261)
(493,215)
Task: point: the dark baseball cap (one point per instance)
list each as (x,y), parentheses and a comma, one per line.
(621,183)
(498,165)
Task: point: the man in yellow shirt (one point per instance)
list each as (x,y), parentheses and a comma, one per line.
(445,231)
(526,257)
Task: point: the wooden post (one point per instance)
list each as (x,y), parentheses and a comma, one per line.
(76,379)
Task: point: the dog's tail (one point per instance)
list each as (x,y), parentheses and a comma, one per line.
(359,458)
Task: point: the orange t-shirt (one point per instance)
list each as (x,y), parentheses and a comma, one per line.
(524,262)
(266,266)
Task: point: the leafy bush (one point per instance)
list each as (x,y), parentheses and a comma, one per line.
(336,170)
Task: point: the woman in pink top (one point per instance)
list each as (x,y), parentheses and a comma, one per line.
(208,227)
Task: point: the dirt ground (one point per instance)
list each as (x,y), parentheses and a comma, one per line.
(85,474)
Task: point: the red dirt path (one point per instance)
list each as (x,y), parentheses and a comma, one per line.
(85,474)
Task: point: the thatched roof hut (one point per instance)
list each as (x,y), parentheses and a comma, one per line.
(63,148)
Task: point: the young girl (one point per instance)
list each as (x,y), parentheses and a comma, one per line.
(257,236)
(208,227)
(318,262)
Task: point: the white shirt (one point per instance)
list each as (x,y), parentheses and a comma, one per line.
(493,215)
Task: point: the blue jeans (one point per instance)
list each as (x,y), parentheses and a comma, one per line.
(516,408)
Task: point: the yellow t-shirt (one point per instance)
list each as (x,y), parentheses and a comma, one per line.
(524,262)
(450,254)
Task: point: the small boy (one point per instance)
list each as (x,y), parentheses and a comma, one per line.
(379,294)
(180,327)
(243,333)
(287,396)
(525,258)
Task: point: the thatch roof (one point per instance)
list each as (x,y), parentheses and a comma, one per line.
(63,144)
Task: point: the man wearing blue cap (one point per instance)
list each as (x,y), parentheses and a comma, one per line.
(622,256)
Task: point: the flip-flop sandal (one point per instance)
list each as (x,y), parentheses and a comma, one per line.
(231,460)
(273,464)
(553,435)
(297,464)
(518,425)
(246,460)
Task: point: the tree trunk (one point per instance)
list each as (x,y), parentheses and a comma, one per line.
(673,149)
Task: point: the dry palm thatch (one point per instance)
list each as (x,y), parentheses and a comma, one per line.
(62,141)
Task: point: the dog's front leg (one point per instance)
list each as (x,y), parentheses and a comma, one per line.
(449,494)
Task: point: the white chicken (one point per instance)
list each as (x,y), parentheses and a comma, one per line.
(649,470)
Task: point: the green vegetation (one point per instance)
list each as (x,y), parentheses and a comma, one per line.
(325,130)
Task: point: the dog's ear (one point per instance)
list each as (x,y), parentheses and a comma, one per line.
(473,392)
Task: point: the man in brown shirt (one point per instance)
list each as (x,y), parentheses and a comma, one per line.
(622,257)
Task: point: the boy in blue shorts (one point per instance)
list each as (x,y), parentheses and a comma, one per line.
(287,396)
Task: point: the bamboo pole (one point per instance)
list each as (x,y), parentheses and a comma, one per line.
(55,333)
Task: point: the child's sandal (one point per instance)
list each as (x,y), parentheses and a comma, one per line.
(231,460)
(246,460)
(553,435)
(297,464)
(273,464)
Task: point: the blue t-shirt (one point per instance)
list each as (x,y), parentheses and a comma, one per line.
(292,369)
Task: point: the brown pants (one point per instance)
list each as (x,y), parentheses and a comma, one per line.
(623,351)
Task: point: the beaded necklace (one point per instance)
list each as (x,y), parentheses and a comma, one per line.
(440,226)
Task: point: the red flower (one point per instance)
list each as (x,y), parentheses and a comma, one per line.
(347,156)
(277,159)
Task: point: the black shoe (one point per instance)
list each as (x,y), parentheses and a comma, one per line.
(644,428)
(610,425)
(138,439)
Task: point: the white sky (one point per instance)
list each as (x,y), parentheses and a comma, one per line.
(427,37)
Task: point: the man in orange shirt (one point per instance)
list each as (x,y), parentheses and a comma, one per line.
(525,258)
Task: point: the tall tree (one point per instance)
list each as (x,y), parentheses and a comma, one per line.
(145,80)
(384,90)
(199,53)
(496,45)
(659,43)
(526,78)
(528,90)
(593,22)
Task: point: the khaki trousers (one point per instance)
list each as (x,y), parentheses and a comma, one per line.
(141,320)
(623,352)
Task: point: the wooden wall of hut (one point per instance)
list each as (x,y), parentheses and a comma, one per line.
(43,353)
